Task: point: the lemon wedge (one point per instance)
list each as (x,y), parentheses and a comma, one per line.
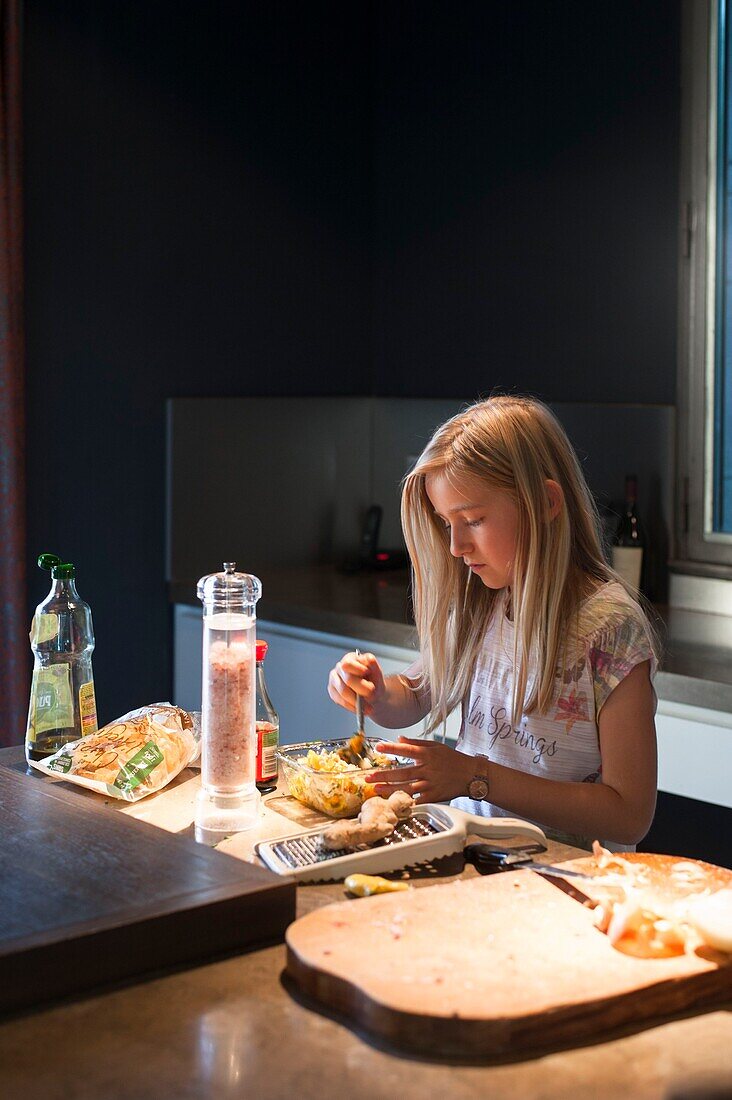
(365,885)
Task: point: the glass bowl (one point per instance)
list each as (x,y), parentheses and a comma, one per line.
(335,793)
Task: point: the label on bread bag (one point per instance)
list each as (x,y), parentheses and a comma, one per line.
(87,708)
(268,738)
(138,767)
(59,763)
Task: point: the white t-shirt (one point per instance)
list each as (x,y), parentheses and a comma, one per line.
(563,744)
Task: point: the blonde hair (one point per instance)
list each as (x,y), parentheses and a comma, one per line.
(513,444)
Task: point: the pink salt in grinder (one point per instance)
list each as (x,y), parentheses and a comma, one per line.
(228,801)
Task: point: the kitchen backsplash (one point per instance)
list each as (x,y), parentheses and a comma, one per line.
(277,481)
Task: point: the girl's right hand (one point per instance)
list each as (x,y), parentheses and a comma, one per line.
(357,674)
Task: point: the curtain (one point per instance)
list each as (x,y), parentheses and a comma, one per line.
(14,651)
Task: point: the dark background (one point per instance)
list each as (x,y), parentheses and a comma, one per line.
(428,199)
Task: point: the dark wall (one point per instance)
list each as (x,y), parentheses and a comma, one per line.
(526,198)
(399,198)
(196,205)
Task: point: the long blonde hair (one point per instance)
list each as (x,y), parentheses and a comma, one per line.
(513,444)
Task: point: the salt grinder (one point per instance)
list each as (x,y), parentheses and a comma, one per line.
(228,801)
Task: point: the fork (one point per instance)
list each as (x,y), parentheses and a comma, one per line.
(353,752)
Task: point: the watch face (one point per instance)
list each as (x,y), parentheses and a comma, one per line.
(478,789)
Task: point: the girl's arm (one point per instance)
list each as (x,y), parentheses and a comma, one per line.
(619,809)
(391,701)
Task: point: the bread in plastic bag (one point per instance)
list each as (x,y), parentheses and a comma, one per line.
(131,757)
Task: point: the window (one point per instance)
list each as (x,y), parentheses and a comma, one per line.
(704,530)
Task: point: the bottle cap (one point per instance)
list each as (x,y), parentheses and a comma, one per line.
(59,569)
(262,648)
(229,587)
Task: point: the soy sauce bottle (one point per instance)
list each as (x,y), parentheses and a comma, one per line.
(268,728)
(62,702)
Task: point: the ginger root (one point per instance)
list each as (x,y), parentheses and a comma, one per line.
(376,821)
(377,811)
(401,803)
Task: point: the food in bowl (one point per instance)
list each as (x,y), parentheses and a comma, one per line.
(319,777)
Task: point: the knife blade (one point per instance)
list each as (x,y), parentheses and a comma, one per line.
(547,869)
(487,860)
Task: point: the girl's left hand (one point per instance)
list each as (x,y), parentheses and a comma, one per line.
(439,772)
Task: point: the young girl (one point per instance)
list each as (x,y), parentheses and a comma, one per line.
(522,622)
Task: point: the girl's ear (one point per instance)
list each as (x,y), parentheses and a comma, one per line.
(555,498)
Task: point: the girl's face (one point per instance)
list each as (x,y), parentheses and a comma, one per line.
(483,526)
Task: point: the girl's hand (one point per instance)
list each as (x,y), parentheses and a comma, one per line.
(439,772)
(357,675)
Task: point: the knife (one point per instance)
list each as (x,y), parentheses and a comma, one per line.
(487,859)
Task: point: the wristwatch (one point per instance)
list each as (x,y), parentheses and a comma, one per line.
(479,785)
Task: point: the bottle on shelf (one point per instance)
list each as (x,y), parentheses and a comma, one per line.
(268,728)
(62,701)
(629,542)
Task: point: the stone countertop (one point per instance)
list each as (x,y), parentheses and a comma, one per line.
(233,1028)
(230,1029)
(696,667)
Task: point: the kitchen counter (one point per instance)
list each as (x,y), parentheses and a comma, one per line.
(232,1028)
(696,667)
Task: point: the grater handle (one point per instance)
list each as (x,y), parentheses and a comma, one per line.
(497,827)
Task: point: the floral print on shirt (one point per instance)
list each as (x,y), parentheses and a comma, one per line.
(572,708)
(615,652)
(610,654)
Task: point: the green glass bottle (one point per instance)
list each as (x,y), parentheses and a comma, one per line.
(62,701)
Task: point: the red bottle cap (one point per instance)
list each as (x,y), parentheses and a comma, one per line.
(262,648)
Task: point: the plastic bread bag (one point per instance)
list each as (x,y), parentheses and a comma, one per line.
(131,757)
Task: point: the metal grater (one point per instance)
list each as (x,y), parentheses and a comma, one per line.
(431,832)
(305,850)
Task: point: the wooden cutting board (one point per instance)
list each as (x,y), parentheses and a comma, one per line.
(89,897)
(488,966)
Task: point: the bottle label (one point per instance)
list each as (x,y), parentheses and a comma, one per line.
(87,708)
(138,767)
(628,561)
(43,628)
(52,700)
(268,738)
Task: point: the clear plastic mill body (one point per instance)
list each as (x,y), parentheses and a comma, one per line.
(228,801)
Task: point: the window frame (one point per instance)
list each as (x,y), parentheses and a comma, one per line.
(699,549)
